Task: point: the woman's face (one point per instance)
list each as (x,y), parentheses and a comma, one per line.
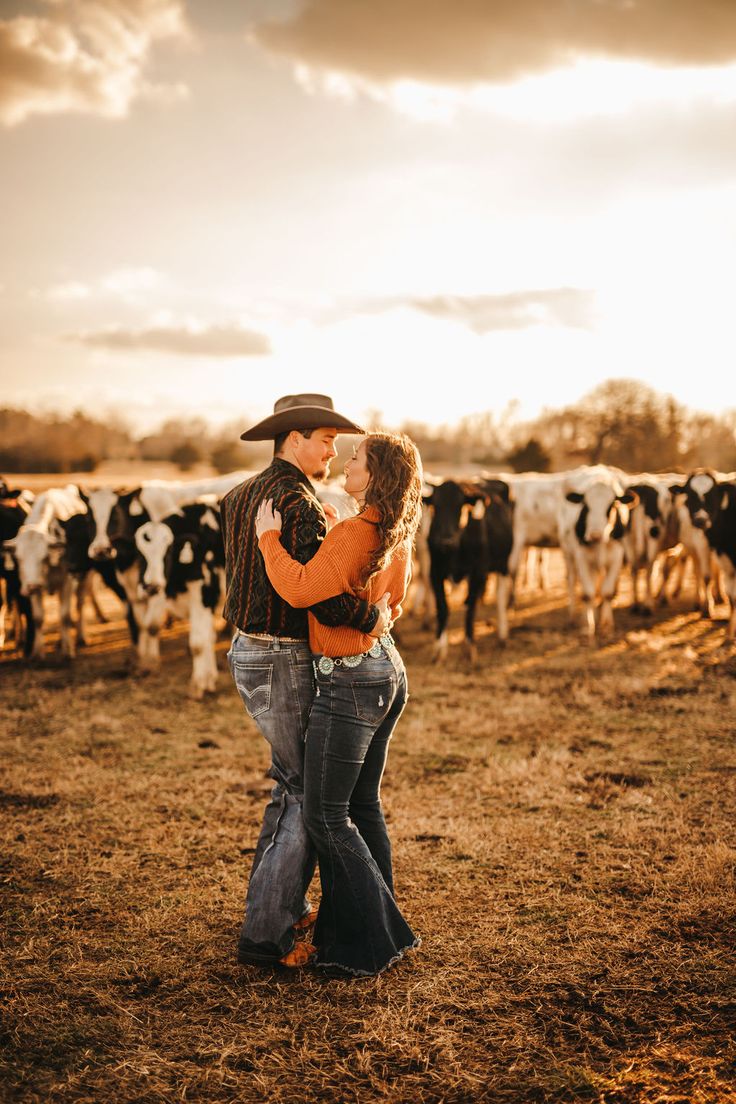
(357,476)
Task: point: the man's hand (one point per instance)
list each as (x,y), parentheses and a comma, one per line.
(267,518)
(331,514)
(384,622)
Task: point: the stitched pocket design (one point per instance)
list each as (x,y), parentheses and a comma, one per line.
(254,686)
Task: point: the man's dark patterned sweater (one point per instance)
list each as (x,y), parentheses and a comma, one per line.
(252,604)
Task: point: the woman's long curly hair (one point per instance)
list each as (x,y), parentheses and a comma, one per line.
(395,490)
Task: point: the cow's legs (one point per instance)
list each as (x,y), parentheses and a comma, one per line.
(728,583)
(201,644)
(586,575)
(440,598)
(608,589)
(503,590)
(571,573)
(83,591)
(67,593)
(37,615)
(476,588)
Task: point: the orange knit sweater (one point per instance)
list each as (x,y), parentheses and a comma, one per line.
(338,566)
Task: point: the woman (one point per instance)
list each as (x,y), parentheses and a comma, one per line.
(361,691)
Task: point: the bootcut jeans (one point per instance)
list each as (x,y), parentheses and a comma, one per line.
(359,929)
(275,681)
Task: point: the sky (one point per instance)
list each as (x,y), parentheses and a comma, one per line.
(424,208)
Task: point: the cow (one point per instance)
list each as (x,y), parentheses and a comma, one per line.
(182,572)
(537,500)
(15,506)
(460,550)
(720,502)
(39,548)
(694,522)
(651,538)
(593,519)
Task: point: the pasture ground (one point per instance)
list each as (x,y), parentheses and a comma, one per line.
(563,825)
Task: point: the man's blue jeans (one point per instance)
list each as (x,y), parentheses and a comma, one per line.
(276,683)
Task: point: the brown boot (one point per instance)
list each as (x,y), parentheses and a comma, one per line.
(307,920)
(299,955)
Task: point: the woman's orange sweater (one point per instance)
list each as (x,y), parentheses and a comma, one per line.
(338,566)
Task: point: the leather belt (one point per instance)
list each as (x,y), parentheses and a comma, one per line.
(272,639)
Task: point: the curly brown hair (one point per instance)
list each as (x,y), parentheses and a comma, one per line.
(395,490)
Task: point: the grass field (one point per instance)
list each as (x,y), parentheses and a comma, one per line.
(563,827)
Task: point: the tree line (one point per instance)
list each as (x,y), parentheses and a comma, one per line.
(621,422)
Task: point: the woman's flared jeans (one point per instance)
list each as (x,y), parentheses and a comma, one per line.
(359,927)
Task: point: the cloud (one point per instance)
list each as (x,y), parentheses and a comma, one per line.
(212,341)
(70,291)
(84,56)
(470,42)
(515,310)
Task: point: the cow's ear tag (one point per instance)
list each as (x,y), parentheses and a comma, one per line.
(186,556)
(724,502)
(479,510)
(135,508)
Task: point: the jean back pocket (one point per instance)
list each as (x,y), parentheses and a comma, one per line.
(372,700)
(254,686)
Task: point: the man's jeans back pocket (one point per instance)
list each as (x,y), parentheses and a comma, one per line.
(372,700)
(254,686)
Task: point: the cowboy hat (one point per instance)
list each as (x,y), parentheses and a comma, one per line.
(300,412)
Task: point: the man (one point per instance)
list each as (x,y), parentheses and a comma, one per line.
(272,665)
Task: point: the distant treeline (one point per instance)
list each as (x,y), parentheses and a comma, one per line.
(621,422)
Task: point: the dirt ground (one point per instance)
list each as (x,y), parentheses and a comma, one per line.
(563,827)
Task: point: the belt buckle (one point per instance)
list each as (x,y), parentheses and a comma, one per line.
(325,665)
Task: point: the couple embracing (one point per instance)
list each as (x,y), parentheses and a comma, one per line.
(312,600)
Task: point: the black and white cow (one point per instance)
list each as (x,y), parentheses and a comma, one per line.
(694,522)
(182,573)
(593,520)
(652,539)
(470,536)
(720,502)
(15,506)
(39,548)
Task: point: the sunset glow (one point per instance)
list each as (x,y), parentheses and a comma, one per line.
(230,209)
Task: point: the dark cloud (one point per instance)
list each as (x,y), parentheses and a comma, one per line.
(515,310)
(83,55)
(469,41)
(216,341)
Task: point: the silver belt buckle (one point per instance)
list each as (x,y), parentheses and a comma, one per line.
(325,665)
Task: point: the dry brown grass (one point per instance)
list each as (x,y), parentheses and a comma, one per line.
(563,823)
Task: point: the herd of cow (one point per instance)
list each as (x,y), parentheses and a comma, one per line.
(601,519)
(159,548)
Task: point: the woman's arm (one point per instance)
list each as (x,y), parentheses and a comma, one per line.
(330,571)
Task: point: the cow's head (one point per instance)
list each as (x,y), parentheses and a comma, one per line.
(601,508)
(452,503)
(719,499)
(37,551)
(152,540)
(101,504)
(691,496)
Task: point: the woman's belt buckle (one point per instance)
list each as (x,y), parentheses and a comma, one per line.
(325,665)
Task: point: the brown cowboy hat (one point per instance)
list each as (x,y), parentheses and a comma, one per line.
(300,412)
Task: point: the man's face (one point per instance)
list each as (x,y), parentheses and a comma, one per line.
(314,453)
